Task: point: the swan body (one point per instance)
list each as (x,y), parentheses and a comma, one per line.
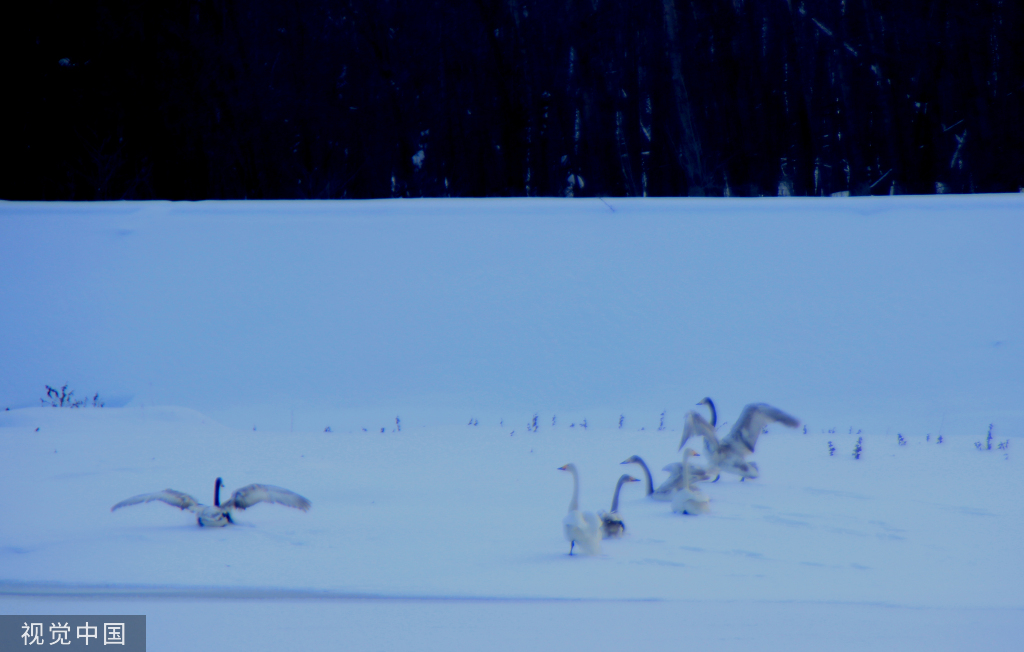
(581,528)
(219,515)
(689,500)
(730,454)
(612,526)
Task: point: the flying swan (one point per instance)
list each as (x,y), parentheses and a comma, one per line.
(581,528)
(220,515)
(689,500)
(730,455)
(612,526)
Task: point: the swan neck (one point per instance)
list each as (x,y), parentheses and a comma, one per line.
(714,413)
(216,493)
(574,504)
(615,497)
(686,472)
(647,476)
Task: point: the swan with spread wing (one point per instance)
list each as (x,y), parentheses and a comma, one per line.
(730,454)
(219,515)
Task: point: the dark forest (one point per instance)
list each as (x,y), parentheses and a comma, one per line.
(192,99)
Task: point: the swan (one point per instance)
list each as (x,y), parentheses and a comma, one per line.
(689,500)
(611,522)
(730,454)
(580,527)
(220,515)
(666,488)
(636,459)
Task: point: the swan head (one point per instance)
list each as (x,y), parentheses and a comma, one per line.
(689,452)
(630,478)
(711,406)
(567,467)
(632,459)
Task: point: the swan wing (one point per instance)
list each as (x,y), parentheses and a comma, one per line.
(696,425)
(264,493)
(753,420)
(674,481)
(170,496)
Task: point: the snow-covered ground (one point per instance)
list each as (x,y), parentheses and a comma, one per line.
(230,335)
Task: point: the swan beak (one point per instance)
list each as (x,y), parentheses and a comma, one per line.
(563,468)
(632,479)
(696,454)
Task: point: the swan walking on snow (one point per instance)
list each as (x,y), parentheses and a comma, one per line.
(611,522)
(689,500)
(581,528)
(220,515)
(730,454)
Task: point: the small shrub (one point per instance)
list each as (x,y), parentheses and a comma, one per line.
(62,398)
(661,424)
(327,429)
(831,449)
(622,420)
(987,446)
(939,440)
(858,448)
(900,440)
(805,429)
(398,424)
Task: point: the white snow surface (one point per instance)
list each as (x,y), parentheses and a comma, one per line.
(228,335)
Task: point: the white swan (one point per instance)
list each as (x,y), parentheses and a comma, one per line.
(730,454)
(611,522)
(581,528)
(689,500)
(220,515)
